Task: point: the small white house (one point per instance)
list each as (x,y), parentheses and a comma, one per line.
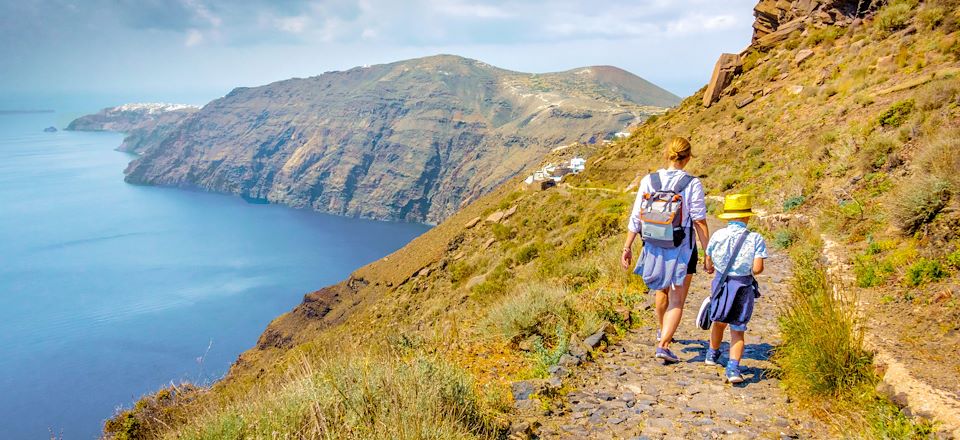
(621,134)
(578,164)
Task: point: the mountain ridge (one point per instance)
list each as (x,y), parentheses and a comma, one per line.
(436,131)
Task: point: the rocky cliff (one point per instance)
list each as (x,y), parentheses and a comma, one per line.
(412,140)
(144,123)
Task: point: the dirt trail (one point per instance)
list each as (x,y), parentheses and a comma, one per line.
(627,394)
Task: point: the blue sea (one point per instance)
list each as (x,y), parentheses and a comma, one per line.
(109,291)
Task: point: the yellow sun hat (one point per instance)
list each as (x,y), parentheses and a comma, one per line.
(737,206)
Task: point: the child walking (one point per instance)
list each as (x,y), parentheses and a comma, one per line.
(741,253)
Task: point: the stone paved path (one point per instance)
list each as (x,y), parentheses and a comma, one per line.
(627,394)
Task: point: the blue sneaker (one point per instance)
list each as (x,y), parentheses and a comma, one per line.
(733,374)
(713,357)
(667,355)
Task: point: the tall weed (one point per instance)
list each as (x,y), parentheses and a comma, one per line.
(357,397)
(822,352)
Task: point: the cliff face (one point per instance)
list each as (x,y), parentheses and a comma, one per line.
(411,140)
(144,124)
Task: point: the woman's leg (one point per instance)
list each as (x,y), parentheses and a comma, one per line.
(660,305)
(716,334)
(736,344)
(671,319)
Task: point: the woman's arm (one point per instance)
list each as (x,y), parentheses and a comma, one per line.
(627,257)
(633,228)
(703,234)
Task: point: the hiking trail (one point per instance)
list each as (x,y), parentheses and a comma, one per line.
(624,393)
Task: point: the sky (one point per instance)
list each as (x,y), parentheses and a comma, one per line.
(196,50)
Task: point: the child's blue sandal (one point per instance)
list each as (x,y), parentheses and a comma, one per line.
(713,357)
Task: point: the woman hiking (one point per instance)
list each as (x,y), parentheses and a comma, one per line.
(670,206)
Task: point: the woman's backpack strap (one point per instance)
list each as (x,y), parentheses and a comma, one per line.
(683,183)
(655,181)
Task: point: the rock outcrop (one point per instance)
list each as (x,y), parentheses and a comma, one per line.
(776,19)
(412,140)
(144,123)
(723,73)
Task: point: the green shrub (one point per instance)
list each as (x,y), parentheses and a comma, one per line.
(503,232)
(527,253)
(535,309)
(793,203)
(784,238)
(895,16)
(897,114)
(825,35)
(124,427)
(876,150)
(871,272)
(494,284)
(923,272)
(938,94)
(578,273)
(954,259)
(460,270)
(939,156)
(918,201)
(593,230)
(750,61)
(545,356)
(929,16)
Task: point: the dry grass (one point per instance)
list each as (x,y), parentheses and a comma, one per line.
(357,397)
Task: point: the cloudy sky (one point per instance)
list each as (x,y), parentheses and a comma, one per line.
(203,48)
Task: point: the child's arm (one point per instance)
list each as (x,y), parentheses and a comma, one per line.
(760,253)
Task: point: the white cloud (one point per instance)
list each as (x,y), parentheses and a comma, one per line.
(294,25)
(462,9)
(699,23)
(369,34)
(194,37)
(202,12)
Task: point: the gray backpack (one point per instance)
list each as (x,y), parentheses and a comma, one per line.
(661,214)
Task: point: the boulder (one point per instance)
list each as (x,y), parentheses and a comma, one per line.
(568,361)
(509,212)
(802,56)
(495,217)
(593,341)
(470,224)
(523,389)
(577,348)
(745,102)
(723,73)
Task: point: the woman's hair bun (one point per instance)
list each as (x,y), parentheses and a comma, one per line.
(678,149)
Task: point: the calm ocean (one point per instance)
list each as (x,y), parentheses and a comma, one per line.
(109,291)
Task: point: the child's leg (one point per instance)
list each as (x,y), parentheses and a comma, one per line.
(716,334)
(736,344)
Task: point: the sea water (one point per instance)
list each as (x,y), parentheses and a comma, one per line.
(109,291)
